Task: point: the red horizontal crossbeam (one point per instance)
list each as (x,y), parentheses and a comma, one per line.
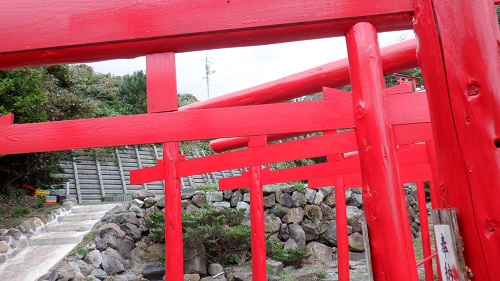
(416,156)
(306,148)
(407,175)
(403,107)
(312,147)
(65,31)
(173,126)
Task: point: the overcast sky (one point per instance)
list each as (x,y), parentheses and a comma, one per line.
(240,68)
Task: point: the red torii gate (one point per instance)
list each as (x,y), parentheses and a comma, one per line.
(457,52)
(400,109)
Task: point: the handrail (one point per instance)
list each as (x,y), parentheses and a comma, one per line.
(420,263)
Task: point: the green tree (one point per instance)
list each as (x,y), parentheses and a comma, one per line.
(59,92)
(133,93)
(185,99)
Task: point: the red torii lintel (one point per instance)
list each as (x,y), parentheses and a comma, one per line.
(67,31)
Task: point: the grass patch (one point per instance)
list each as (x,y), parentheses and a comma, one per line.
(17,207)
(208,187)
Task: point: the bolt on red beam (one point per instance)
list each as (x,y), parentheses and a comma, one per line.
(383,197)
(396,57)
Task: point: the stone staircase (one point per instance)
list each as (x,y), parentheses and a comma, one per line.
(55,240)
(91,178)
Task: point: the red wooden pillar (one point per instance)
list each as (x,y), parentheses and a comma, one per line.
(174,250)
(424,230)
(458,53)
(259,270)
(162,97)
(342,234)
(383,196)
(433,188)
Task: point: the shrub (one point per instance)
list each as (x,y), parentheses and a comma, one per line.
(221,233)
(291,256)
(156,225)
(219,230)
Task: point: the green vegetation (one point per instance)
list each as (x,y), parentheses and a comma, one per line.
(90,236)
(224,238)
(19,212)
(64,92)
(208,187)
(291,256)
(301,187)
(156,225)
(321,273)
(219,230)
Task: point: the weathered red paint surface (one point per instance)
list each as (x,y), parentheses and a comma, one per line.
(383,197)
(55,31)
(463,86)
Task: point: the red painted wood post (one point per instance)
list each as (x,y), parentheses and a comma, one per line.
(174,250)
(259,270)
(431,154)
(383,197)
(342,234)
(424,230)
(162,97)
(458,53)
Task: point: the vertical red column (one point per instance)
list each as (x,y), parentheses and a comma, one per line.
(383,197)
(424,229)
(342,234)
(174,250)
(458,53)
(162,96)
(259,270)
(431,154)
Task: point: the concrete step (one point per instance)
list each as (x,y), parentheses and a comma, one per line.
(58,238)
(70,226)
(81,216)
(33,262)
(92,208)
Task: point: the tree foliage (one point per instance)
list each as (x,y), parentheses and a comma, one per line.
(63,92)
(41,94)
(133,93)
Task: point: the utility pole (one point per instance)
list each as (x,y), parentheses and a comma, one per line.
(209,69)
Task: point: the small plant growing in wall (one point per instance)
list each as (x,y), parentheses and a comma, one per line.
(291,256)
